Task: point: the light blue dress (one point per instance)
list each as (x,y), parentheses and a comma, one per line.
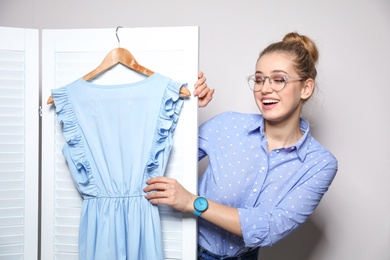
(117,137)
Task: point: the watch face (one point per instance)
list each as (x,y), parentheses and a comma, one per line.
(201,204)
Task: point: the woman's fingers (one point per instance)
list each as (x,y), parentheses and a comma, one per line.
(202,91)
(163,190)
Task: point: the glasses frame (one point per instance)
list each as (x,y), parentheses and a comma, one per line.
(285,77)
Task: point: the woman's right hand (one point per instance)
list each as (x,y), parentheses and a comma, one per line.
(202,91)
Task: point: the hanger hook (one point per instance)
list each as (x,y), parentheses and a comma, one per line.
(116,32)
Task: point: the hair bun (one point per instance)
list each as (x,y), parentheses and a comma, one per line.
(307,43)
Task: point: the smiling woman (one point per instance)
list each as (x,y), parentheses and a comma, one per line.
(266,173)
(291,66)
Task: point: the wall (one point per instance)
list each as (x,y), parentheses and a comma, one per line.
(350,115)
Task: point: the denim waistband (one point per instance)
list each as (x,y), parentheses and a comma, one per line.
(203,254)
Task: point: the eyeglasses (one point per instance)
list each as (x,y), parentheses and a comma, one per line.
(277,82)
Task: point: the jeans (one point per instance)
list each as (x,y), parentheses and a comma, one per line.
(203,254)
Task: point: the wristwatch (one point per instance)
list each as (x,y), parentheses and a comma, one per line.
(200,205)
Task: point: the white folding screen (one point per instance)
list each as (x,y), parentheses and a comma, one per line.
(70,54)
(19,139)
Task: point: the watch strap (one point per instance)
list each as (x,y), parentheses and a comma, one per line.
(197,213)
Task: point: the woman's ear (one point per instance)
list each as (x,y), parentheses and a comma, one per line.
(307,89)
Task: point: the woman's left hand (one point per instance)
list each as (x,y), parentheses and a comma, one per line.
(168,191)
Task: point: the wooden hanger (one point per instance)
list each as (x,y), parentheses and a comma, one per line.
(122,56)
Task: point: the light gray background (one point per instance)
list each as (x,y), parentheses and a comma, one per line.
(349,115)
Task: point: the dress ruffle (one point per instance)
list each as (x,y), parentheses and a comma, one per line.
(73,138)
(171,106)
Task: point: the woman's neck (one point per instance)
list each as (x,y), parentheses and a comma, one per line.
(282,134)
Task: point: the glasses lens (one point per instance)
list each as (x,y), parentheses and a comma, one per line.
(255,84)
(278,82)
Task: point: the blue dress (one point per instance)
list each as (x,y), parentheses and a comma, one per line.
(117,137)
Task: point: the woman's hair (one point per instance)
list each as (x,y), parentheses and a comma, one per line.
(302,49)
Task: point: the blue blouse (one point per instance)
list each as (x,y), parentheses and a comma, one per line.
(117,137)
(274,192)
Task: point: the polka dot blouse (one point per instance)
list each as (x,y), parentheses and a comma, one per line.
(274,191)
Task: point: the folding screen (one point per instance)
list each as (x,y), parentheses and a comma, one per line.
(19,140)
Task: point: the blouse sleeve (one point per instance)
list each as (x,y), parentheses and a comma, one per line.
(260,228)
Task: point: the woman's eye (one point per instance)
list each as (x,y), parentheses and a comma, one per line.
(259,81)
(278,79)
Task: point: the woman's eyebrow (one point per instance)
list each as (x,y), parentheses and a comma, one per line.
(274,71)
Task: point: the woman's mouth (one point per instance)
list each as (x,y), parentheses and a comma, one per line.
(269,103)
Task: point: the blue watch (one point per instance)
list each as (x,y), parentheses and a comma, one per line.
(200,205)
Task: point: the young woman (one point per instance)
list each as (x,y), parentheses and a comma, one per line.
(266,173)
